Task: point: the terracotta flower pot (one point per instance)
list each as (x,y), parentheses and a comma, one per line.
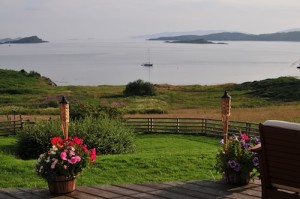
(61,184)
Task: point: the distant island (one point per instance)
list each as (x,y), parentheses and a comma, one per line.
(235,36)
(195,41)
(25,40)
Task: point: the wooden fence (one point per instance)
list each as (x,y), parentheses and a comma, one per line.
(202,126)
(189,125)
(11,126)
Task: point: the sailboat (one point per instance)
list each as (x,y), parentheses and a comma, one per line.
(148,64)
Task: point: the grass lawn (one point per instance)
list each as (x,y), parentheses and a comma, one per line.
(157,158)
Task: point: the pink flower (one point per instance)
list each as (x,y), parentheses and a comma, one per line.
(74,160)
(72,153)
(63,155)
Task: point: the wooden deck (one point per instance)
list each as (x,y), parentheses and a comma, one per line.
(175,190)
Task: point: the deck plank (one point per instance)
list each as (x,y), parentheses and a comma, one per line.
(207,189)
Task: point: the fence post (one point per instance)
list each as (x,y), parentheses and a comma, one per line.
(151,124)
(14,121)
(177,124)
(22,122)
(205,126)
(248,128)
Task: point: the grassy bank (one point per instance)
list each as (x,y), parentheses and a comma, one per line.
(158,158)
(30,94)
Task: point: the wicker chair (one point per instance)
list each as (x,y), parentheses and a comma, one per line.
(279,156)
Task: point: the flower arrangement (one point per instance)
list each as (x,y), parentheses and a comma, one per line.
(67,157)
(237,159)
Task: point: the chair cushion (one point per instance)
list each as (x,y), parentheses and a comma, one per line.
(282,124)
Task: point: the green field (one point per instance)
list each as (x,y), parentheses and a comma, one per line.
(158,158)
(29,93)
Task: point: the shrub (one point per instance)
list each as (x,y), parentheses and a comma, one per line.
(82,110)
(139,88)
(106,135)
(35,138)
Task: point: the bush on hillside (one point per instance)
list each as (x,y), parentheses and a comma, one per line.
(279,89)
(139,88)
(106,135)
(82,110)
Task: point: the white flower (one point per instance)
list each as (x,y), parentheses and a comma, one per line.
(53,152)
(47,160)
(54,164)
(41,168)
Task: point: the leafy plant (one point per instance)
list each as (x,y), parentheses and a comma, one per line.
(34,139)
(66,157)
(108,136)
(82,110)
(139,88)
(236,157)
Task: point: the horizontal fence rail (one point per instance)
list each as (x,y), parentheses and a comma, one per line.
(202,126)
(189,125)
(10,127)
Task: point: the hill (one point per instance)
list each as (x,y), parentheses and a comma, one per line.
(30,93)
(236,36)
(284,89)
(22,82)
(25,40)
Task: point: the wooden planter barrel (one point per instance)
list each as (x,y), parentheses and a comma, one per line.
(236,179)
(61,184)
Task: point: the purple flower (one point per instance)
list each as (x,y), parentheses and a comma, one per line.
(237,167)
(255,161)
(232,164)
(256,141)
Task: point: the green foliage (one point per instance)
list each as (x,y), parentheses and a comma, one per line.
(31,95)
(157,158)
(106,135)
(82,110)
(35,138)
(280,89)
(236,157)
(139,88)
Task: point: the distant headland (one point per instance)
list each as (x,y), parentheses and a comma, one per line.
(24,40)
(293,36)
(195,41)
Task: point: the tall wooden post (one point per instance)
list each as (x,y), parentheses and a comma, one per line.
(64,116)
(225,111)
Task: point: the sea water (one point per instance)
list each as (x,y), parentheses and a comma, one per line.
(93,62)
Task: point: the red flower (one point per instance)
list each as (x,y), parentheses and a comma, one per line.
(93,155)
(77,140)
(57,141)
(85,148)
(245,136)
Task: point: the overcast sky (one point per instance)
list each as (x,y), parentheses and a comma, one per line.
(114,19)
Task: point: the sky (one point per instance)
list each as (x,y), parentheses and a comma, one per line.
(55,20)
